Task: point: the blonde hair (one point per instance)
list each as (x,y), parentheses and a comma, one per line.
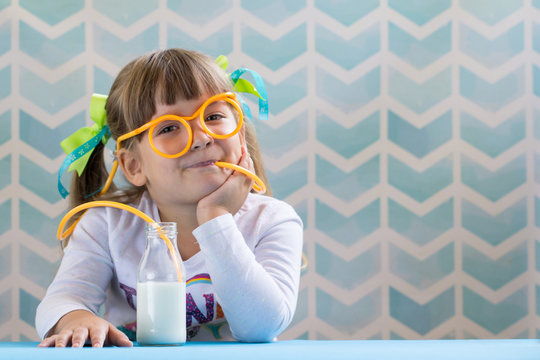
(163,76)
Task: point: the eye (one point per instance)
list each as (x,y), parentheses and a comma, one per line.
(168,128)
(214,117)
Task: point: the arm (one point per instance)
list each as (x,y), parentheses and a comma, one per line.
(257,290)
(68,309)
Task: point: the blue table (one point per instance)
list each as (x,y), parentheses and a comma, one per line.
(297,349)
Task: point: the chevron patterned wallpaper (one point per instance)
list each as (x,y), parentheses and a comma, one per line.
(405,132)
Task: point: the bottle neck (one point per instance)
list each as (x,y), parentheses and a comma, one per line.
(161,260)
(157,231)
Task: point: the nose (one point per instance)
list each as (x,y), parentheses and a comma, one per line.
(200,138)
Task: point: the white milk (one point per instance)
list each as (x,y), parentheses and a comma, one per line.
(161,313)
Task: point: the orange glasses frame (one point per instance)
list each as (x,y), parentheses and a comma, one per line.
(228,97)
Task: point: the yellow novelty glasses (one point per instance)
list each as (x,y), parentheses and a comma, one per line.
(171,136)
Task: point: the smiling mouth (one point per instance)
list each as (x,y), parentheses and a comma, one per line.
(203,164)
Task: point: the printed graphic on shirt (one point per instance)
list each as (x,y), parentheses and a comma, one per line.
(130,294)
(199,279)
(201,308)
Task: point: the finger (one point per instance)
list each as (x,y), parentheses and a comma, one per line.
(118,338)
(246,162)
(251,165)
(239,175)
(246,159)
(79,337)
(63,338)
(48,342)
(243,157)
(97,336)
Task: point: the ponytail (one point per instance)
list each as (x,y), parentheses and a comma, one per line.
(86,187)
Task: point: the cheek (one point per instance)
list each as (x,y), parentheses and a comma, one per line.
(159,168)
(234,149)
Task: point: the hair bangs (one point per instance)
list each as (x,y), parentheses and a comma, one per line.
(189,78)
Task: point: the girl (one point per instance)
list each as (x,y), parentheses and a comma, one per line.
(241,251)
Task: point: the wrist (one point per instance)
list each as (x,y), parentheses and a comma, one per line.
(209,213)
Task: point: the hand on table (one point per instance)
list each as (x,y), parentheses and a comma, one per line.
(77,326)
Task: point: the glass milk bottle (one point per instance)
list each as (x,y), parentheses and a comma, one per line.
(161,297)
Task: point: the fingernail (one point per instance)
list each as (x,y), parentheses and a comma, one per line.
(96,345)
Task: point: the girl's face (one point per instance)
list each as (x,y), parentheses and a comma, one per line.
(192,176)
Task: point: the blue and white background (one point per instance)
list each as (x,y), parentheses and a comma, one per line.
(405,132)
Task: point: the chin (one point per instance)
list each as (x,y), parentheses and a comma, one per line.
(208,185)
(205,181)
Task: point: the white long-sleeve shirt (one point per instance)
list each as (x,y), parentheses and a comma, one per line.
(246,274)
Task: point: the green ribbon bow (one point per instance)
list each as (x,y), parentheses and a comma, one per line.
(241,85)
(83,135)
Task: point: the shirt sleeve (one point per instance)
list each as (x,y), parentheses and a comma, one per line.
(257,289)
(84,274)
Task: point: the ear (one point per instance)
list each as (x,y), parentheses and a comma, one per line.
(131,166)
